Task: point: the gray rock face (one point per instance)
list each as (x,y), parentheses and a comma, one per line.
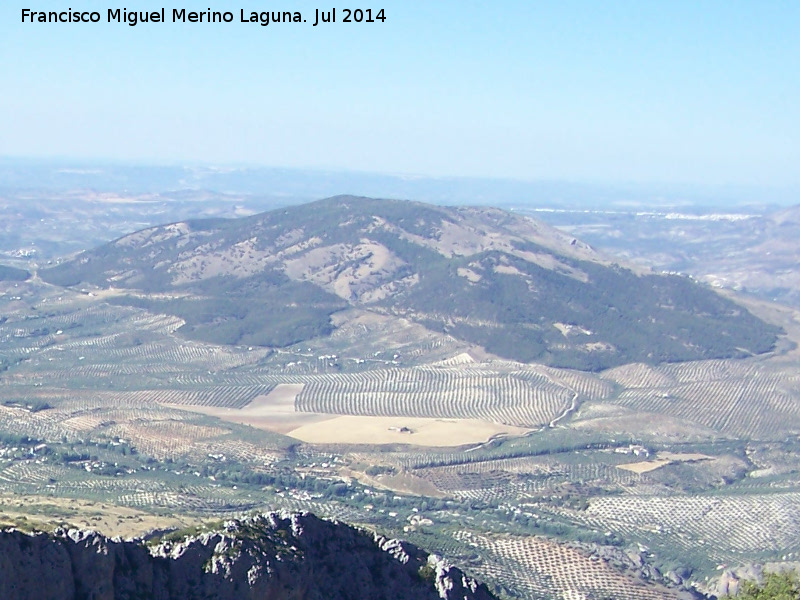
(270,557)
(730,581)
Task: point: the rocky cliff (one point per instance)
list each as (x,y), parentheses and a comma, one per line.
(269,557)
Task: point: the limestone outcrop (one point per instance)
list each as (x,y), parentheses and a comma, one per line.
(276,556)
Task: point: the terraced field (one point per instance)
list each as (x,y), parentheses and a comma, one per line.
(522,398)
(743,525)
(99,377)
(543,569)
(750,399)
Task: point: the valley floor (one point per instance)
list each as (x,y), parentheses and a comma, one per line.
(538,480)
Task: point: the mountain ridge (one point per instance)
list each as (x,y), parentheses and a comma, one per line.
(513,285)
(275,556)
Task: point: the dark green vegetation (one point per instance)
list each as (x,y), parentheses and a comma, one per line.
(650,318)
(273,311)
(776,586)
(513,286)
(13,274)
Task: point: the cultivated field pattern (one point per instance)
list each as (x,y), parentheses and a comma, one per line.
(92,407)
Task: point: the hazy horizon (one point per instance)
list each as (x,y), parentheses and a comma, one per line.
(299,184)
(644,93)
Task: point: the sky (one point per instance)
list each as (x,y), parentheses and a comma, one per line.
(677,91)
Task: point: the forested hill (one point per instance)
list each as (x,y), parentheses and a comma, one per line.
(507,283)
(13,274)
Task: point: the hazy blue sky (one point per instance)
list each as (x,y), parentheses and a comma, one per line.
(672,91)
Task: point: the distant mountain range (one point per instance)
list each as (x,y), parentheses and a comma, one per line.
(512,285)
(294,185)
(751,250)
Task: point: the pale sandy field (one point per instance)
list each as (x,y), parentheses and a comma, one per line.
(46,512)
(664,458)
(348,429)
(275,412)
(271,412)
